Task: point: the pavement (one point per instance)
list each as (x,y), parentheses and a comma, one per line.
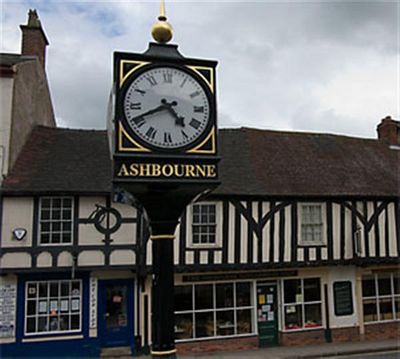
(327,350)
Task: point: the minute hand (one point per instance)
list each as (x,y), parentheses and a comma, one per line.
(150,112)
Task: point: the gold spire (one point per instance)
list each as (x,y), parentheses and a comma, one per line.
(162,30)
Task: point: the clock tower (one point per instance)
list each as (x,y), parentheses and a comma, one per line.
(165,151)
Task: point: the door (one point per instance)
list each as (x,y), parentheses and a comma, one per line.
(116,313)
(267,314)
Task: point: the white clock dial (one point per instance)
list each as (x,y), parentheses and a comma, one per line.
(166,107)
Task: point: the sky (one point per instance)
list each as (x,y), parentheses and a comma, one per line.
(316,66)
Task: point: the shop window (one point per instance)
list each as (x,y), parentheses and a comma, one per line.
(55,220)
(311,224)
(381,297)
(216,310)
(53,306)
(302,303)
(204,224)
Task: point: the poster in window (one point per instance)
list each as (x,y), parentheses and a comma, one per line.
(75,304)
(53,305)
(343,298)
(42,306)
(64,305)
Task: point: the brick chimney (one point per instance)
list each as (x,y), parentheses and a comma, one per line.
(34,40)
(389,131)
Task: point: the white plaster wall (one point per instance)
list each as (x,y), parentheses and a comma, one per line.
(17,213)
(64,259)
(44,259)
(127,257)
(6,90)
(88,234)
(15,260)
(338,274)
(126,234)
(89,258)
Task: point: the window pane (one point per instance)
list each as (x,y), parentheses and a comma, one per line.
(224,295)
(31,325)
(184,326)
(75,322)
(396,282)
(370,310)
(312,290)
(45,202)
(385,309)
(32,291)
(312,314)
(31,307)
(43,324)
(204,324)
(368,286)
(243,294)
(64,322)
(293,317)
(204,296)
(42,289)
(244,321)
(291,289)
(225,323)
(384,284)
(183,298)
(54,289)
(397,307)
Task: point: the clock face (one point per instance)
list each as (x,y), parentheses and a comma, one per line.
(166,107)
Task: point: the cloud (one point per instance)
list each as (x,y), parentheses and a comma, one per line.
(324,66)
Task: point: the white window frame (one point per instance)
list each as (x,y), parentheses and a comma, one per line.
(48,282)
(218,226)
(304,242)
(302,304)
(393,296)
(39,231)
(214,310)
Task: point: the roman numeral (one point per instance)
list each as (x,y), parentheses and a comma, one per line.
(195,123)
(167,77)
(151,80)
(194,94)
(184,81)
(167,137)
(151,132)
(139,121)
(135,105)
(140,91)
(185,136)
(198,109)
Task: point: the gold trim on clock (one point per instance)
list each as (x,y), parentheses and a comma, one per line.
(198,148)
(137,147)
(210,69)
(122,76)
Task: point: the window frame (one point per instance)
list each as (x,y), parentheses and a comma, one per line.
(393,296)
(215,310)
(39,226)
(218,226)
(307,243)
(37,300)
(302,304)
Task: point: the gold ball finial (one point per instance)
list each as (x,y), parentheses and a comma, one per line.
(162,30)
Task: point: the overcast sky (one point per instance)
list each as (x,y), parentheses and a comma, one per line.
(321,66)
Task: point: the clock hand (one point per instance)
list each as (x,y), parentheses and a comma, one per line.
(178,119)
(150,112)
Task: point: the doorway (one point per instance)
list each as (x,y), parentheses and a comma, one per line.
(267,314)
(116,313)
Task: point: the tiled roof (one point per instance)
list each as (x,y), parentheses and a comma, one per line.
(253,162)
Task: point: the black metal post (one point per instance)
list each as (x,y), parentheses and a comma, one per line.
(163,297)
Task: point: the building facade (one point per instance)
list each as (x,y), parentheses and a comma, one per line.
(298,245)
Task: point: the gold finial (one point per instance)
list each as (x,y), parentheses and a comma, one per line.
(162,30)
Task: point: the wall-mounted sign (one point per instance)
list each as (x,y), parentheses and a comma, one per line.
(343,298)
(8,301)
(93,303)
(19,234)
